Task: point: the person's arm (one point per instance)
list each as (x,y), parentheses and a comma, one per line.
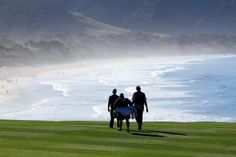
(109,105)
(145,103)
(116,102)
(133,98)
(130,103)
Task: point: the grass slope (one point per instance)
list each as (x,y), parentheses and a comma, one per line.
(89,139)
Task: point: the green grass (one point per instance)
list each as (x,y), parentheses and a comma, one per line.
(89,139)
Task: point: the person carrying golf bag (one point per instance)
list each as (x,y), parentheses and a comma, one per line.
(123,111)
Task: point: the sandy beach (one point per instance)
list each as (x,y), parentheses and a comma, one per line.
(79,91)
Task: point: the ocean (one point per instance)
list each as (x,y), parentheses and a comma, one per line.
(182,89)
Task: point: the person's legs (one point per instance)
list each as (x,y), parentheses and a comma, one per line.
(119,121)
(140,121)
(127,124)
(137,114)
(120,124)
(139,117)
(112,119)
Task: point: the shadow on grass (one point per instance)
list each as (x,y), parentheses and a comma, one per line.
(145,134)
(164,132)
(154,133)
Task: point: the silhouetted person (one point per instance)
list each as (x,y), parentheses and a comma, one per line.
(111,107)
(139,100)
(122,103)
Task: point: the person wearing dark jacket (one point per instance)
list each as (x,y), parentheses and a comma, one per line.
(111,107)
(139,100)
(122,103)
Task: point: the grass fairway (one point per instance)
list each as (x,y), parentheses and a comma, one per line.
(89,139)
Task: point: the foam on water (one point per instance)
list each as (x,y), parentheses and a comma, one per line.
(178,89)
(57,86)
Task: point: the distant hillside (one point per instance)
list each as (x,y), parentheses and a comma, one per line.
(165,16)
(55,31)
(35,17)
(162,16)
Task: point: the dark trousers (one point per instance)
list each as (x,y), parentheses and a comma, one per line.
(120,122)
(112,119)
(139,117)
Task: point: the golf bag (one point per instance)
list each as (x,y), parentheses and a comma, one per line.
(125,112)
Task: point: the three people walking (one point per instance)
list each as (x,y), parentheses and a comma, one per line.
(121,108)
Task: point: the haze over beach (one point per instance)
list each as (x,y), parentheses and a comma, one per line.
(60,59)
(185,89)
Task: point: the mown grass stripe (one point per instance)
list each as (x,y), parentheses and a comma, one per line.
(24,138)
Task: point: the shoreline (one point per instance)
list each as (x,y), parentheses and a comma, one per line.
(56,80)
